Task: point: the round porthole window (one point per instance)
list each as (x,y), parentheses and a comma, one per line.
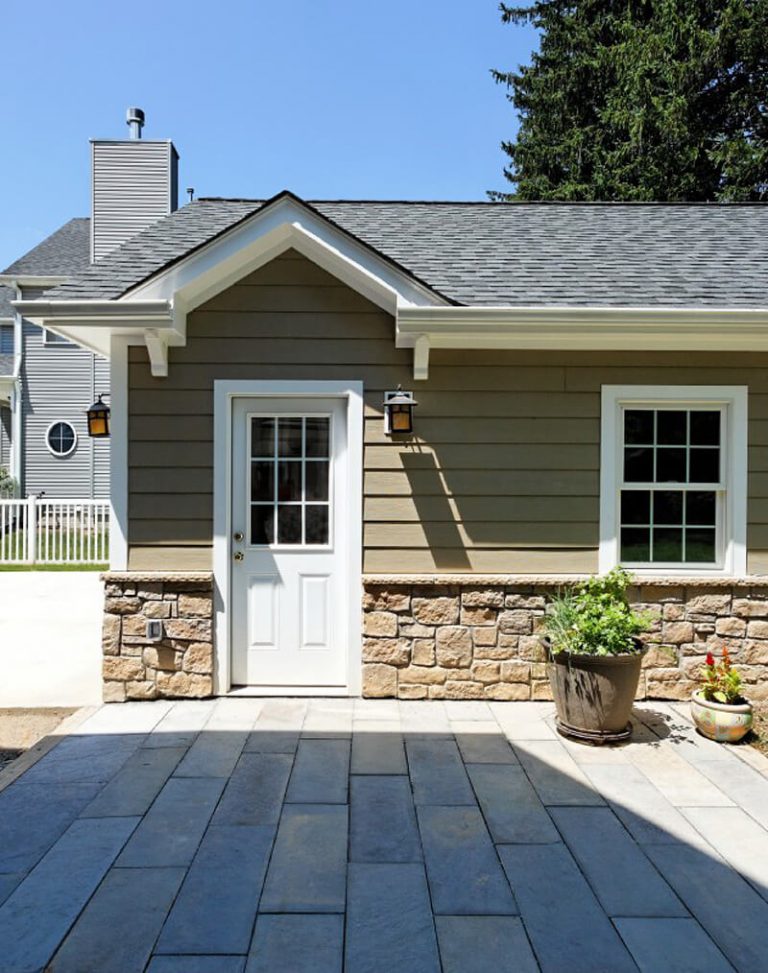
(61,438)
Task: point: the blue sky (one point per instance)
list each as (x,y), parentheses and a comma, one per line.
(330,98)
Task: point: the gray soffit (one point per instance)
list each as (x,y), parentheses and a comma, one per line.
(65,253)
(493,254)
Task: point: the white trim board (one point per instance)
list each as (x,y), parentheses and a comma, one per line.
(118,454)
(734,399)
(224,392)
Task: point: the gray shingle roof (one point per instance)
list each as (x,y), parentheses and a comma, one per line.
(611,254)
(67,252)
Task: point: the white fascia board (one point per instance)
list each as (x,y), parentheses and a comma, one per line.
(32,280)
(586,328)
(91,323)
(284,225)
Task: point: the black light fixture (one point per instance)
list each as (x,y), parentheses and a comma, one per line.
(98,419)
(398,411)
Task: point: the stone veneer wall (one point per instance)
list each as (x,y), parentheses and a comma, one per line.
(469,638)
(181,664)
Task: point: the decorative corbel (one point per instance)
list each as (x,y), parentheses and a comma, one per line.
(421,358)
(157,348)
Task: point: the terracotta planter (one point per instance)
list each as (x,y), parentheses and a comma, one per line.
(724,722)
(594,694)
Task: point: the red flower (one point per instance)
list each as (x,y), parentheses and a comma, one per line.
(710,659)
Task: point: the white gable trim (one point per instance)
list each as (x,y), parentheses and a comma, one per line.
(285,224)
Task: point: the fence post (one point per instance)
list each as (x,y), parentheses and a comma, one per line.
(32,529)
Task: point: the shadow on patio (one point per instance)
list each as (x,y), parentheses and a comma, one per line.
(319,835)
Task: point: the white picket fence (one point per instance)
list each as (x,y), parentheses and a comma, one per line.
(36,531)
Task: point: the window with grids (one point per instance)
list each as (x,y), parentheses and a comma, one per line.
(672,487)
(6,339)
(290,473)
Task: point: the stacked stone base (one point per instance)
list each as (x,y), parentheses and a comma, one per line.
(180,663)
(467,638)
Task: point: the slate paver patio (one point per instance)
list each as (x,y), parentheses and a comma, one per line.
(369,836)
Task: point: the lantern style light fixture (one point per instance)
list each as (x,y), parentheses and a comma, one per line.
(98,419)
(398,411)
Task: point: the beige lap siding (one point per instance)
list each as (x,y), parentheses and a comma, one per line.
(502,474)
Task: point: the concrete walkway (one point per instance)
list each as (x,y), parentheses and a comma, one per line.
(382,837)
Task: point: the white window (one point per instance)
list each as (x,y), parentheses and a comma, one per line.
(61,438)
(673,482)
(6,339)
(51,338)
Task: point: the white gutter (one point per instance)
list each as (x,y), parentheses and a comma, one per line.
(579,329)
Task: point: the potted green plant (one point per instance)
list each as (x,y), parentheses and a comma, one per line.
(718,708)
(595,655)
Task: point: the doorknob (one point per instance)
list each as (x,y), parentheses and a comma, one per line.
(239,555)
(237,536)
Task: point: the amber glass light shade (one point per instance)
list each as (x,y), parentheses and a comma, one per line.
(98,420)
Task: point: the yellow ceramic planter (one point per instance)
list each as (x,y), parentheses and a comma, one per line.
(726,723)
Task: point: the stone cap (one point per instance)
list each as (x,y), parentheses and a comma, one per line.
(556,580)
(127,577)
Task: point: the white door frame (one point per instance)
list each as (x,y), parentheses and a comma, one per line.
(224,391)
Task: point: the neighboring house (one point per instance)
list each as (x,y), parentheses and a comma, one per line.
(588,378)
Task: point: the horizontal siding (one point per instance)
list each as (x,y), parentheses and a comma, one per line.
(502,474)
(5,436)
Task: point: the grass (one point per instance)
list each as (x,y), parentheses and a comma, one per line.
(74,544)
(55,567)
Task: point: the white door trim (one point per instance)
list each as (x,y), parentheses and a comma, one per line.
(224,391)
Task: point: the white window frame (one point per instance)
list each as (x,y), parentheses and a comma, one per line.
(732,513)
(51,339)
(53,452)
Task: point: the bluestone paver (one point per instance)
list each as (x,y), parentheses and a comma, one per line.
(320,773)
(437,772)
(377,748)
(569,930)
(172,828)
(389,920)
(216,907)
(742,782)
(135,786)
(33,816)
(555,774)
(180,726)
(8,882)
(307,872)
(197,964)
(621,876)
(483,743)
(327,719)
(739,839)
(671,945)
(484,944)
(465,877)
(213,754)
(84,759)
(382,822)
(524,721)
(272,741)
(510,806)
(56,891)
(682,784)
(728,908)
(255,791)
(468,710)
(118,927)
(301,944)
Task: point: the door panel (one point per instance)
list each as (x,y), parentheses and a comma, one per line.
(288,543)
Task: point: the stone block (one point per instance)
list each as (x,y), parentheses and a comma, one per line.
(437,692)
(110,635)
(531,647)
(750,608)
(508,691)
(379,623)
(485,636)
(423,653)
(515,671)
(478,616)
(195,605)
(455,689)
(709,605)
(756,629)
(150,590)
(539,670)
(454,646)
(414,630)
(156,609)
(659,656)
(755,652)
(518,600)
(162,658)
(541,689)
(668,684)
(495,652)
(482,598)
(677,632)
(515,622)
(414,692)
(673,612)
(736,627)
(387,599)
(422,676)
(192,629)
(119,668)
(140,690)
(393,652)
(113,692)
(122,606)
(486,672)
(379,681)
(184,684)
(198,658)
(436,611)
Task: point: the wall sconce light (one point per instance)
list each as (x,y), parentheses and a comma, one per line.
(398,411)
(98,419)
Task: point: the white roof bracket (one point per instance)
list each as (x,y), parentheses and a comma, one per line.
(421,358)
(157,348)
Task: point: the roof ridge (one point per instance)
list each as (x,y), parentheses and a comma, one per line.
(711,204)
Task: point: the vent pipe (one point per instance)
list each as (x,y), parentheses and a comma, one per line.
(135,120)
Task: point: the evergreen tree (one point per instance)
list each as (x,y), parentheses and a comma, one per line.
(641,100)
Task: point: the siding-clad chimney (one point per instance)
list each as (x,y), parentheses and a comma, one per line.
(134,183)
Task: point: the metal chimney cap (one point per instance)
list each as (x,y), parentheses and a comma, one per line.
(134,118)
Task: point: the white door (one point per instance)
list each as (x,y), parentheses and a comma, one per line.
(288,544)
